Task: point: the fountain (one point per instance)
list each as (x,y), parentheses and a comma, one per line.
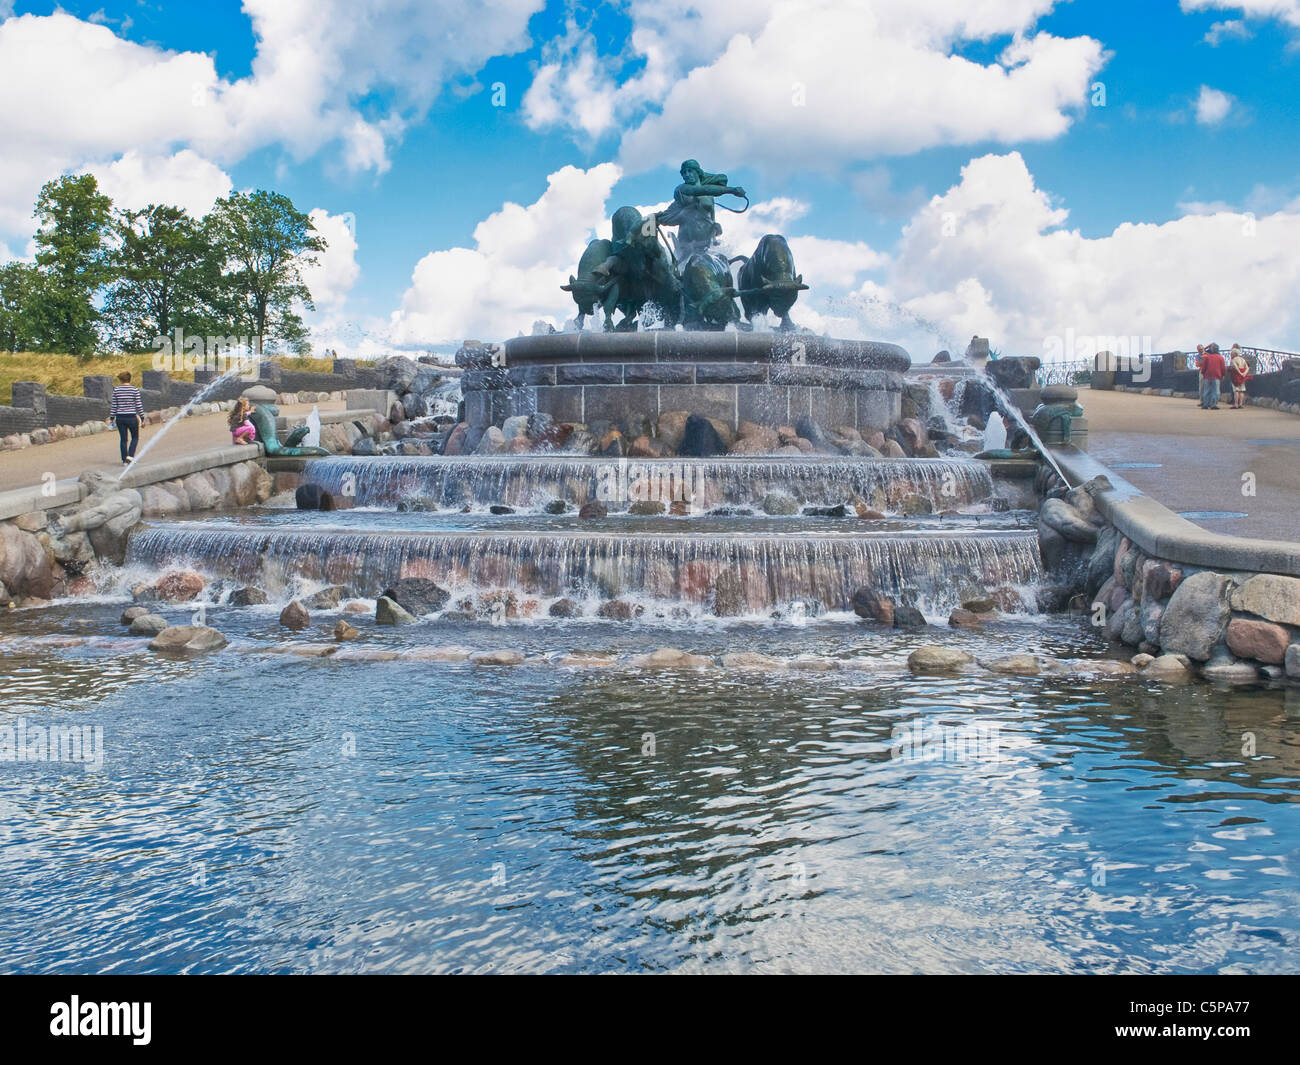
(682,455)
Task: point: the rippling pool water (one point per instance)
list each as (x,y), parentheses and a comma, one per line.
(258,812)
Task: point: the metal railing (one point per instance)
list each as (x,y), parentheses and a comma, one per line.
(1079,371)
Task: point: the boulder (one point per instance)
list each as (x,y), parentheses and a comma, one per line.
(503,657)
(1020,664)
(241,597)
(779,502)
(701,439)
(1067,521)
(565,608)
(1271,597)
(417,595)
(671,658)
(937,658)
(1168,667)
(312,497)
(908,617)
(646,507)
(1292,661)
(962,618)
(671,427)
(343,631)
(592,509)
(295,616)
(752,660)
(148,624)
(871,604)
(187,639)
(619,610)
(327,598)
(493,442)
(133,612)
(1263,641)
(388,612)
(179,587)
(1196,616)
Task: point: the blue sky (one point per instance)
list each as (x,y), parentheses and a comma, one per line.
(1198,127)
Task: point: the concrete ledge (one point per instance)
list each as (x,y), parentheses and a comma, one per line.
(327,417)
(367,399)
(1161,533)
(173,469)
(21,501)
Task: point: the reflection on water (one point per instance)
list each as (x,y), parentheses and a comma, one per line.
(261,814)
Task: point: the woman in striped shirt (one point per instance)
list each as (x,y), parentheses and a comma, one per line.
(127,413)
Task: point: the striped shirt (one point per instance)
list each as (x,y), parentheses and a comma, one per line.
(126,400)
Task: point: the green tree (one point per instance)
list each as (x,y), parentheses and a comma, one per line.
(263,242)
(18,283)
(74,218)
(163,276)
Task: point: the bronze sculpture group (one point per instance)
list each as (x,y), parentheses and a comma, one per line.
(652,276)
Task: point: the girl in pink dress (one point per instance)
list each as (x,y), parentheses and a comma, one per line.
(241,424)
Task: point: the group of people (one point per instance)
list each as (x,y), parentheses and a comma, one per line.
(1214,368)
(126,414)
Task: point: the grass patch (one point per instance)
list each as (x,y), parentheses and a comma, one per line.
(63,373)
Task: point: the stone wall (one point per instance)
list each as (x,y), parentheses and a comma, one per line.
(1187,600)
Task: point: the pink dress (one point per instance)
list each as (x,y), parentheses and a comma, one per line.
(244,433)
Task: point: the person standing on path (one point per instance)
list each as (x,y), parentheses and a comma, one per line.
(1212,370)
(1238,374)
(127,413)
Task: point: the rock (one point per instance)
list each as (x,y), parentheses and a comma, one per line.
(493,442)
(515,427)
(1024,665)
(979,606)
(1067,521)
(700,439)
(584,660)
(646,507)
(1272,597)
(965,619)
(644,447)
(871,604)
(837,511)
(312,497)
(1141,661)
(556,506)
(147,624)
(1224,667)
(295,616)
(912,434)
(438,654)
(915,505)
(497,658)
(671,427)
(812,432)
(133,612)
(593,509)
(500,508)
(327,598)
(1159,580)
(935,657)
(187,639)
(752,660)
(728,595)
(565,608)
(620,610)
(241,597)
(343,631)
(1196,616)
(455,444)
(417,595)
(671,658)
(908,617)
(1292,661)
(778,502)
(1263,641)
(388,612)
(814,663)
(1167,667)
(582,442)
(179,587)
(865,513)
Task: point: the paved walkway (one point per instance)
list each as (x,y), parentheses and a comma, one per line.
(71,458)
(1203,458)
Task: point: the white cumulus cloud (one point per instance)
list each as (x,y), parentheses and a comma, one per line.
(1212,106)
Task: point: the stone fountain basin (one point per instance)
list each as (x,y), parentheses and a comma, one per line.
(768,378)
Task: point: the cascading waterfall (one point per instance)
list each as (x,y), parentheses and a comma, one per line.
(765,569)
(532,481)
